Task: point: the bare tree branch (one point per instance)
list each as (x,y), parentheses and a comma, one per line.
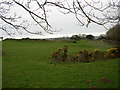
(85,12)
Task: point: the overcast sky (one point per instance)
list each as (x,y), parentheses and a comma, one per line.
(66,23)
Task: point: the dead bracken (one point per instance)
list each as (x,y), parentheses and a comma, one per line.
(105,80)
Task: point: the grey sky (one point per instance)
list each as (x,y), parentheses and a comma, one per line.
(67,23)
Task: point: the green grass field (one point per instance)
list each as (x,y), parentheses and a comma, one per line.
(28,64)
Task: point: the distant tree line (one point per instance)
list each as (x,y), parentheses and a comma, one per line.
(113,34)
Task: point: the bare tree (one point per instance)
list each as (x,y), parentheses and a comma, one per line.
(86,12)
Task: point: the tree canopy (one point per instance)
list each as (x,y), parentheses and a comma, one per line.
(114,33)
(75,37)
(90,37)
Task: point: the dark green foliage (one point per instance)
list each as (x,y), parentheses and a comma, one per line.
(75,38)
(114,33)
(118,47)
(101,37)
(91,37)
(74,41)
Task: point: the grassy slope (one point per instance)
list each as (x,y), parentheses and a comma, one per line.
(28,64)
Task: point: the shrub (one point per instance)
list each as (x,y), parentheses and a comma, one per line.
(60,54)
(85,56)
(113,52)
(75,57)
(96,51)
(98,55)
(118,51)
